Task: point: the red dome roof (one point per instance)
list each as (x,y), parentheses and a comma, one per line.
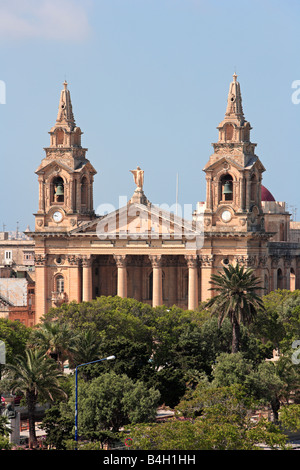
(266,195)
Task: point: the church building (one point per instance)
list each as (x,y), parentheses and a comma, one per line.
(144,252)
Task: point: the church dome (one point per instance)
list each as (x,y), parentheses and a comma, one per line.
(266,195)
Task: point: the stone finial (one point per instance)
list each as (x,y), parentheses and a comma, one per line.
(234,101)
(65,114)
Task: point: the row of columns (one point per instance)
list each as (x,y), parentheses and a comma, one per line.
(157,295)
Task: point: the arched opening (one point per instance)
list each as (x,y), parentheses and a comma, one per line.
(266,284)
(229,130)
(253,188)
(57,190)
(292,280)
(60,284)
(84,191)
(226,188)
(60,136)
(279,279)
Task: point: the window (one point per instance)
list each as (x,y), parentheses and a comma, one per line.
(8,255)
(60,284)
(28,255)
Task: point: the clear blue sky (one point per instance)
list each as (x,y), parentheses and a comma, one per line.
(149,82)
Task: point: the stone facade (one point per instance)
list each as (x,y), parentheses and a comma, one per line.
(149,254)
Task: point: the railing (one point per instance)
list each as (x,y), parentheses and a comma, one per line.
(58,298)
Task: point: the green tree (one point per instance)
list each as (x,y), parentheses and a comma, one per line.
(55,340)
(15,336)
(171,383)
(86,347)
(290,417)
(267,386)
(113,317)
(109,402)
(236,298)
(58,428)
(216,418)
(37,378)
(4,433)
(231,369)
(133,358)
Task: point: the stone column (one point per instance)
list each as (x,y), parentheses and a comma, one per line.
(87,285)
(75,290)
(248,191)
(192,263)
(157,280)
(122,275)
(41,291)
(206,272)
(41,194)
(209,197)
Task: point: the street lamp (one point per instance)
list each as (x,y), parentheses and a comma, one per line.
(109,358)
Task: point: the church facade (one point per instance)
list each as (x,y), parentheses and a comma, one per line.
(146,253)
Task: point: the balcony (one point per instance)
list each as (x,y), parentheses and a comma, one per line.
(58,298)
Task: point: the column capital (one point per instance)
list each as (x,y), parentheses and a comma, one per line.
(74,260)
(207,260)
(86,261)
(192,261)
(246,260)
(120,261)
(40,259)
(156,260)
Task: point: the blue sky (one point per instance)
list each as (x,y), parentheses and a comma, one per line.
(149,82)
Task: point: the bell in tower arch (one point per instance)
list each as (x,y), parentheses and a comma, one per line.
(58,190)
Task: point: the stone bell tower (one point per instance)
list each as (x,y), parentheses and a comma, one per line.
(65,175)
(234,173)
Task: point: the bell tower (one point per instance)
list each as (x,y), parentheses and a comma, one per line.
(65,175)
(234,173)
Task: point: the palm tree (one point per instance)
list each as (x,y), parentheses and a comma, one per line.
(236,298)
(36,377)
(55,340)
(86,347)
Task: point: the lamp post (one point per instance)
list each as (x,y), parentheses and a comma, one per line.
(109,358)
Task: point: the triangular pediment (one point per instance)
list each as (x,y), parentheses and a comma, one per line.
(251,163)
(83,165)
(140,222)
(221,161)
(46,166)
